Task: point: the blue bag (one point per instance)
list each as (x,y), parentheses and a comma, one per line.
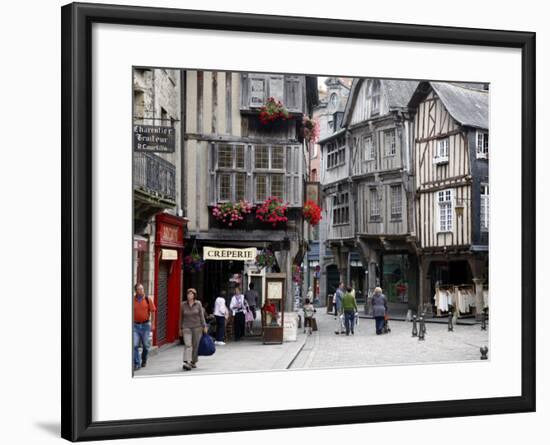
(206,345)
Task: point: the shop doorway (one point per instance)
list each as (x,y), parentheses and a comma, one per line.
(162,302)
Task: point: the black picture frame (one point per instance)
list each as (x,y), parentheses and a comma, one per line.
(76,248)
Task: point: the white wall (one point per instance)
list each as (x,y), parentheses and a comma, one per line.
(29,376)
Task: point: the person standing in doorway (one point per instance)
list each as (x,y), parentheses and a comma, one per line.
(379,309)
(193,325)
(144,323)
(221,313)
(349,308)
(251,297)
(238,306)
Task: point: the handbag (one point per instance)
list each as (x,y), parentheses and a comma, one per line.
(248,316)
(206,345)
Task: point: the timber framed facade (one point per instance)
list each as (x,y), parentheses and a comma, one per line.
(451,153)
(230,155)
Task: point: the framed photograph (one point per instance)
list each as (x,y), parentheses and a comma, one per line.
(366,188)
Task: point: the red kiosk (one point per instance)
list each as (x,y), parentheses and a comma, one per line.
(169,244)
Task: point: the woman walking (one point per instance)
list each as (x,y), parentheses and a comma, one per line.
(379,309)
(193,325)
(221,313)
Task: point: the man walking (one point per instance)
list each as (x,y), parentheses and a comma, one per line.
(349,307)
(144,321)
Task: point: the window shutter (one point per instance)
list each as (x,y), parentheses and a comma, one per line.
(293,93)
(212,173)
(293,185)
(277,87)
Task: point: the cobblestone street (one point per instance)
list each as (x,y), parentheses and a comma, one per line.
(325,349)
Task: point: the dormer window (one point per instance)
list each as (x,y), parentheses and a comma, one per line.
(374,96)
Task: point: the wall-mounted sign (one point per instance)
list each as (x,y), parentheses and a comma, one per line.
(154,138)
(169,254)
(275,290)
(229,253)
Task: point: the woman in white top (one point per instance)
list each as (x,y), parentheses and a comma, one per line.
(221,313)
(238,305)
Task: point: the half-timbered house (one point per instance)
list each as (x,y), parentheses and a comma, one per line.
(379,136)
(451,153)
(230,155)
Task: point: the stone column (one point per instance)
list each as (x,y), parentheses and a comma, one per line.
(478,284)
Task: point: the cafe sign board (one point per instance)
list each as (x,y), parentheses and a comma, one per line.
(229,254)
(154,138)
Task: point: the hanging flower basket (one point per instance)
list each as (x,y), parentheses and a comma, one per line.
(310,129)
(230,213)
(193,262)
(272,211)
(266,258)
(272,111)
(312,213)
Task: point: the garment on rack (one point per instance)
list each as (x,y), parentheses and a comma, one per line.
(486,298)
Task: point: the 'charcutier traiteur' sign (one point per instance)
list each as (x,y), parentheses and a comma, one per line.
(153,138)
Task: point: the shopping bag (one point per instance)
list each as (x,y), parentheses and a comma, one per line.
(206,345)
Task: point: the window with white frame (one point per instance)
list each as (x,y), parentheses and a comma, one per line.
(484,214)
(340,208)
(231,178)
(368,147)
(442,150)
(396,202)
(374,204)
(268,166)
(482,144)
(389,142)
(445,203)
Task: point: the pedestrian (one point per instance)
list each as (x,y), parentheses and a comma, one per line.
(193,325)
(338,307)
(144,323)
(349,307)
(379,309)
(309,293)
(309,313)
(238,306)
(251,297)
(221,313)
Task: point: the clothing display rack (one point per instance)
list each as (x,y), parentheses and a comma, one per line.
(460,298)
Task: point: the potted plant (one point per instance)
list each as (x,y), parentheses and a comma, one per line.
(312,213)
(272,111)
(229,213)
(266,258)
(272,211)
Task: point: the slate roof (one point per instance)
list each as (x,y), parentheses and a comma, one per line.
(468,106)
(398,92)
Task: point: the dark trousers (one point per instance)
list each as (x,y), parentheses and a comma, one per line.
(349,319)
(379,324)
(238,325)
(220,328)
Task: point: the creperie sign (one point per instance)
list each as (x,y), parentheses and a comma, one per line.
(229,253)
